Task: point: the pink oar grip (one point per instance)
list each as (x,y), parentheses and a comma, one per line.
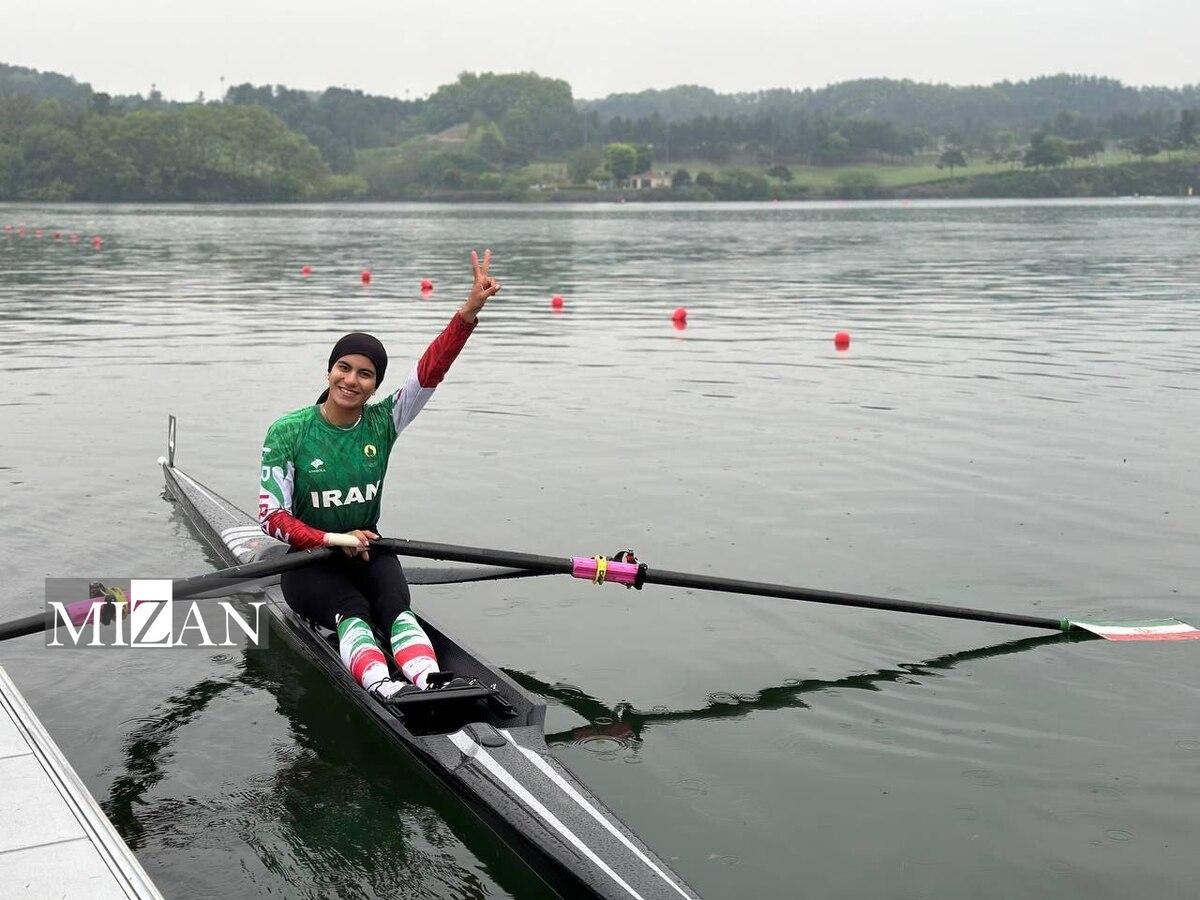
(620,572)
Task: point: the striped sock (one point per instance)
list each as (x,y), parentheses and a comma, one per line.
(360,653)
(412,650)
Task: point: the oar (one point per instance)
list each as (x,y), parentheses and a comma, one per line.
(633,574)
(256,575)
(223,580)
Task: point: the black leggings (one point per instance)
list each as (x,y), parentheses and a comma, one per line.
(375,591)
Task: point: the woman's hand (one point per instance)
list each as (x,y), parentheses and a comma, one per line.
(352,543)
(484,288)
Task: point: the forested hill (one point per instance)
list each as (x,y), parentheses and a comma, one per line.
(937,108)
(519,135)
(42,85)
(1019,105)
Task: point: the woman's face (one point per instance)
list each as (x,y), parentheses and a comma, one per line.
(352,381)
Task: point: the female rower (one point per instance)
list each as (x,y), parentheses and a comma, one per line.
(321,485)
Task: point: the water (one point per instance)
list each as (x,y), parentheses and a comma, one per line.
(1012,428)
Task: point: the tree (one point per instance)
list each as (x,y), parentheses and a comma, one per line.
(858,185)
(681,179)
(1145,147)
(51,156)
(101,103)
(645,156)
(1084,149)
(783,173)
(951,159)
(742,184)
(583,162)
(10,163)
(621,160)
(833,148)
(1045,151)
(1187,131)
(487,141)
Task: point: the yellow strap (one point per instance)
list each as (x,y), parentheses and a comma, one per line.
(601,569)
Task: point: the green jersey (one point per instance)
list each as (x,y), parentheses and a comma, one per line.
(317,477)
(328,477)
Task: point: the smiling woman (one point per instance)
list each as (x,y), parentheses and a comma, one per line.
(321,484)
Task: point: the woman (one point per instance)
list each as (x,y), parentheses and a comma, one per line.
(321,485)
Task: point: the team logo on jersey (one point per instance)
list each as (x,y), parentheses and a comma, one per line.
(369,451)
(317,465)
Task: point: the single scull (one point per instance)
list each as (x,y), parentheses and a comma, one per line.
(488,746)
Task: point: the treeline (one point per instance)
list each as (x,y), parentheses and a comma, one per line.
(57,151)
(536,116)
(936,108)
(489,133)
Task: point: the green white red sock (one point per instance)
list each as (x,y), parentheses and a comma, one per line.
(412,650)
(361,654)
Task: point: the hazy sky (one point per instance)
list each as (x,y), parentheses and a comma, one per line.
(400,47)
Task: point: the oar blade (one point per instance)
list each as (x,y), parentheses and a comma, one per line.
(1142,630)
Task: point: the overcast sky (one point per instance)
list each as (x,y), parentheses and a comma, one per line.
(404,48)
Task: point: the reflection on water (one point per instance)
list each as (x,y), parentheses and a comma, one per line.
(626,725)
(318,814)
(1011,428)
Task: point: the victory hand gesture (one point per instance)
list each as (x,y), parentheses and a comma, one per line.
(482,290)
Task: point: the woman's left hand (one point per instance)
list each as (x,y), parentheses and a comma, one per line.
(364,536)
(484,288)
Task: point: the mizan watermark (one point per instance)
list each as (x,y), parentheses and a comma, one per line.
(141,613)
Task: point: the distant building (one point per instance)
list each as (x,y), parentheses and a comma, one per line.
(650,179)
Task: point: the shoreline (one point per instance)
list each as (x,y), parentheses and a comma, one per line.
(1179,179)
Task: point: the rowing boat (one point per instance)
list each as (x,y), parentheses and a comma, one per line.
(488,745)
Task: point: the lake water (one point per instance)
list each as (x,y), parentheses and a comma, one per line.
(1012,428)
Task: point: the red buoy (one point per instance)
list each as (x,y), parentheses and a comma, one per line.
(366,276)
(58,235)
(680,314)
(841,340)
(97,242)
(426,284)
(556,302)
(306,271)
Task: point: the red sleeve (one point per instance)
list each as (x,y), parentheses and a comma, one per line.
(283,525)
(435,361)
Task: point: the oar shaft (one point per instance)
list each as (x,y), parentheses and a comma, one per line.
(182,588)
(836,598)
(34,624)
(559,565)
(548,565)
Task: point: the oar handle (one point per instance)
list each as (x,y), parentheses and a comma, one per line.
(336,539)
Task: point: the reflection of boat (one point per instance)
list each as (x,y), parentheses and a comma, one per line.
(628,724)
(488,747)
